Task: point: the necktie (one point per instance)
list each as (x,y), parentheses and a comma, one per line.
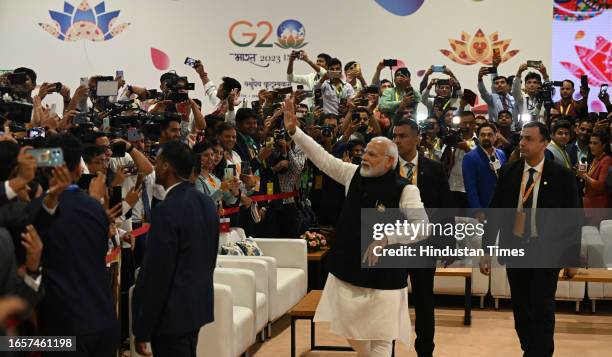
(409,171)
(528,203)
(146,205)
(504,100)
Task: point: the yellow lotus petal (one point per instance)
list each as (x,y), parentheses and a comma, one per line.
(453,57)
(465,37)
(479,49)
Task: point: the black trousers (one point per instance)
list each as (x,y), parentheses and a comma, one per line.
(176,345)
(98,344)
(461,203)
(533,304)
(422,282)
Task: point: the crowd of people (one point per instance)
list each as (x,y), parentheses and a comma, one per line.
(123,152)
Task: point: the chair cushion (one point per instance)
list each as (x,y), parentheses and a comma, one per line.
(232,249)
(244,336)
(291,286)
(250,247)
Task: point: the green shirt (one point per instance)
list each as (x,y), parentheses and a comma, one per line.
(391,98)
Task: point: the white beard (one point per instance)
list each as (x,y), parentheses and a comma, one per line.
(371,171)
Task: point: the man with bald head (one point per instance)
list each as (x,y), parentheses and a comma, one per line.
(366,306)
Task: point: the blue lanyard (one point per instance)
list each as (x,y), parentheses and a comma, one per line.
(73,188)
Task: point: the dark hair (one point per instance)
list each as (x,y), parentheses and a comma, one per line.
(561,124)
(225,126)
(585,120)
(303,106)
(326,57)
(179,157)
(91,137)
(383,81)
(409,122)
(196,162)
(91,151)
(202,146)
(348,65)
(533,75)
(28,72)
(327,116)
(541,127)
(168,76)
(570,82)
(334,61)
(496,78)
(8,159)
(403,71)
(486,125)
(243,114)
(165,124)
(230,83)
(70,145)
(467,113)
(605,140)
(354,142)
(504,112)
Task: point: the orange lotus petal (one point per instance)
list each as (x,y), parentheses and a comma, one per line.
(465,36)
(579,35)
(455,58)
(458,46)
(509,55)
(502,45)
(494,37)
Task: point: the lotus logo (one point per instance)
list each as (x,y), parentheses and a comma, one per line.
(597,62)
(84,23)
(291,34)
(478,49)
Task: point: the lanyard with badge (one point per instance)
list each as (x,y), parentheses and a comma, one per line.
(569,107)
(520,218)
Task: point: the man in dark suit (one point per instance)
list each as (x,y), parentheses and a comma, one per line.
(78,301)
(173,296)
(538,197)
(431,180)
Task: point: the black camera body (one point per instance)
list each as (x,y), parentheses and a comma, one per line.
(546,92)
(175,86)
(452,137)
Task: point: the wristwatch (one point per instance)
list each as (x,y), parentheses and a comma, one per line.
(34,274)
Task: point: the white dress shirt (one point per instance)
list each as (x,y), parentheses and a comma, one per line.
(536,188)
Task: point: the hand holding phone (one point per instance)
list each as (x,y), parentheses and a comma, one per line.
(48,157)
(191,62)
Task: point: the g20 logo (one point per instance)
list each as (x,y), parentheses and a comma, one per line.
(290,34)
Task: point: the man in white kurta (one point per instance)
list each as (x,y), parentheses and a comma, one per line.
(370,319)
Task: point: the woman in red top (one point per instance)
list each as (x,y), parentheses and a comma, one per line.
(597,195)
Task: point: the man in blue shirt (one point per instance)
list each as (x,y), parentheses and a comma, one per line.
(480,168)
(498,100)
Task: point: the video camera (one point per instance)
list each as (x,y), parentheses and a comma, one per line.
(176,88)
(546,92)
(13,103)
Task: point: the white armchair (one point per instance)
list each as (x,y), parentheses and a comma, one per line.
(215,339)
(292,273)
(262,273)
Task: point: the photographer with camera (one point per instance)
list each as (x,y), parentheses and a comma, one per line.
(359,120)
(308,80)
(223,98)
(402,97)
(567,106)
(354,76)
(528,99)
(334,91)
(448,91)
(459,140)
(430,144)
(499,99)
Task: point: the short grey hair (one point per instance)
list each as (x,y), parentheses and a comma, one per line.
(391,148)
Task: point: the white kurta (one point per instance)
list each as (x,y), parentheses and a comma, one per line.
(355,312)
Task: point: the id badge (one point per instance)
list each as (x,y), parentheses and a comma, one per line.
(270,188)
(318,182)
(519,224)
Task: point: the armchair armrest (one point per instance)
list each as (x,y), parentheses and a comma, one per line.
(259,267)
(213,338)
(289,253)
(242,283)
